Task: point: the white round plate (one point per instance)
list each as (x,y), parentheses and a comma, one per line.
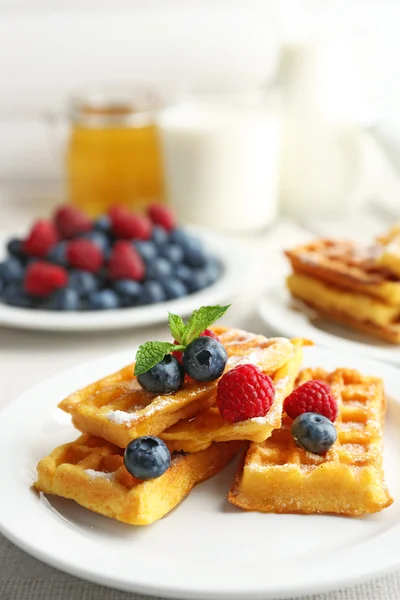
(205,548)
(232,258)
(292,318)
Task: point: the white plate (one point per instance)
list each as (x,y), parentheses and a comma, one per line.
(229,253)
(205,548)
(290,318)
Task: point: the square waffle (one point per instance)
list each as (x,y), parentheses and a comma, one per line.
(117,409)
(355,310)
(389,257)
(280,477)
(347,265)
(192,435)
(91,472)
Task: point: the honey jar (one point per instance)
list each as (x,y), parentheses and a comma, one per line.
(113,154)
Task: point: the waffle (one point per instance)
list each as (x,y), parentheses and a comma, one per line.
(208,426)
(117,409)
(347,265)
(280,477)
(355,310)
(91,472)
(389,257)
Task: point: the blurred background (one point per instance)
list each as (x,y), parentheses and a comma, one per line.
(301,67)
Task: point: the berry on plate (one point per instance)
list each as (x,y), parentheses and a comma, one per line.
(131,226)
(165,377)
(41,239)
(147,250)
(103,300)
(58,254)
(159,236)
(85,255)
(314,432)
(312,397)
(83,282)
(129,292)
(147,457)
(162,215)
(244,393)
(125,263)
(204,359)
(11,270)
(14,247)
(42,279)
(159,269)
(174,288)
(64,299)
(70,221)
(15,295)
(152,292)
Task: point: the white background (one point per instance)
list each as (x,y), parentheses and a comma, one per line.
(49,47)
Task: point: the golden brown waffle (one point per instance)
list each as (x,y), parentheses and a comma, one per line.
(389,256)
(91,472)
(355,310)
(117,409)
(280,477)
(347,265)
(195,434)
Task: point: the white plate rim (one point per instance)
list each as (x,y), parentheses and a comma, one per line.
(328,359)
(274,309)
(221,245)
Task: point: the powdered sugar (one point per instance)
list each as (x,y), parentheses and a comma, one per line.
(100,475)
(121,417)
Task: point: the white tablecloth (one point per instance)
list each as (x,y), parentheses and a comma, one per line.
(28,357)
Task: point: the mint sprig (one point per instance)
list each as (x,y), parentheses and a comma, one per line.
(151,353)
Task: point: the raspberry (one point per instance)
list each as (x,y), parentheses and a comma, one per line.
(84,254)
(125,262)
(42,278)
(244,393)
(70,221)
(41,239)
(207,332)
(313,396)
(163,216)
(130,226)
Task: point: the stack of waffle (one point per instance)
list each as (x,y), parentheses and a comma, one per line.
(114,410)
(356,285)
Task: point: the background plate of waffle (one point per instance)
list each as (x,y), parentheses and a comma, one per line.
(231,256)
(205,548)
(287,316)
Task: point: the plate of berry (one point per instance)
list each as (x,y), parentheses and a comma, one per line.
(123,269)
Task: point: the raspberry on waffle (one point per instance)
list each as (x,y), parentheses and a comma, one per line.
(91,471)
(280,477)
(117,409)
(208,426)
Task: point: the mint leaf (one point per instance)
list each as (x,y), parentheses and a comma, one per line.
(176,326)
(200,320)
(151,353)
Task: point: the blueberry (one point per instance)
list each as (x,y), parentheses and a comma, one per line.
(58,254)
(129,292)
(99,238)
(159,236)
(165,377)
(198,280)
(180,237)
(159,269)
(11,270)
(174,288)
(65,299)
(195,255)
(14,248)
(147,457)
(83,282)
(205,359)
(172,252)
(147,250)
(103,223)
(313,432)
(152,292)
(14,295)
(103,300)
(184,273)
(212,270)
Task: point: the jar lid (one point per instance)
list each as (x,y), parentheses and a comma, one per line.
(112,106)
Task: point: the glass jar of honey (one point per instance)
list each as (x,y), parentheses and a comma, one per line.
(113,154)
